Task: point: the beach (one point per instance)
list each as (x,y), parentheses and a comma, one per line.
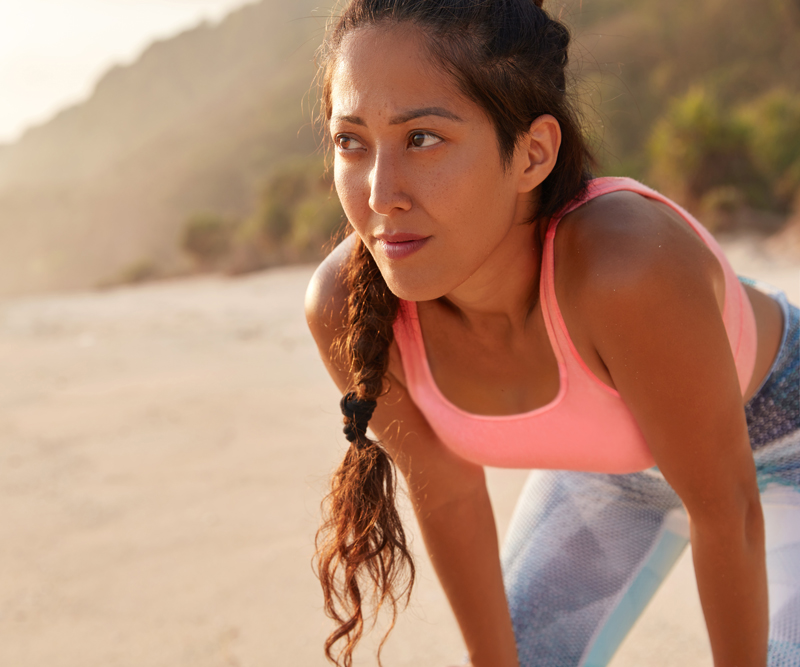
(165,448)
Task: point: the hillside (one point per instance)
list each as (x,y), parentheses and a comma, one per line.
(633,57)
(196,123)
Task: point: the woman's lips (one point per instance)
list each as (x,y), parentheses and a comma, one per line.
(399,246)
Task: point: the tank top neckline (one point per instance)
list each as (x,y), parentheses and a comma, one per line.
(550,309)
(587,426)
(413,316)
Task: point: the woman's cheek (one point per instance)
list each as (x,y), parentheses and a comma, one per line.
(353,201)
(448,187)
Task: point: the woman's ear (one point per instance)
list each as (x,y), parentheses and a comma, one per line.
(537,152)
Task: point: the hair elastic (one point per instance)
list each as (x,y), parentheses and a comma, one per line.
(358,412)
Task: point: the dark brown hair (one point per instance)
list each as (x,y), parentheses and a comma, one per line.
(509,57)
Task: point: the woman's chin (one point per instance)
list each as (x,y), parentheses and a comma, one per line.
(413,288)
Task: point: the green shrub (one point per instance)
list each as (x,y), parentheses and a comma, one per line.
(274,219)
(138,272)
(774,121)
(296,217)
(697,146)
(315,221)
(291,184)
(207,238)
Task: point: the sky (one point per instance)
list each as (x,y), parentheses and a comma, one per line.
(53,51)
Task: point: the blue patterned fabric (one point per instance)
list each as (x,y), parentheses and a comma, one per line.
(585,552)
(773,414)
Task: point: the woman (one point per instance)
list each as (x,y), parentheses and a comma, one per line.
(619,357)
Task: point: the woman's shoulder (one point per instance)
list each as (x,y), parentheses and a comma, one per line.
(625,244)
(326,295)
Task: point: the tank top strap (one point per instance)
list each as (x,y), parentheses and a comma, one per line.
(408,336)
(563,347)
(572,366)
(737,313)
(554,323)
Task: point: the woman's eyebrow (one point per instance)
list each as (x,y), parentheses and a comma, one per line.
(404,117)
(426,111)
(344,118)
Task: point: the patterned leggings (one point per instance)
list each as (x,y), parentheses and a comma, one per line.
(586,552)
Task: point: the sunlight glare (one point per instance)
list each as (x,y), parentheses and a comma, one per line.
(53,51)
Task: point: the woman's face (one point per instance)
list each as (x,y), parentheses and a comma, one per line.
(417,166)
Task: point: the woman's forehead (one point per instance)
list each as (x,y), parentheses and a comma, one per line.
(380,48)
(389,70)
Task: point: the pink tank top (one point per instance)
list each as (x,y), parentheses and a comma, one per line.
(587,426)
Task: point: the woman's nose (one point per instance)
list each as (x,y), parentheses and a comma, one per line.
(388,187)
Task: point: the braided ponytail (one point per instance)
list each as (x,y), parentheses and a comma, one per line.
(361,546)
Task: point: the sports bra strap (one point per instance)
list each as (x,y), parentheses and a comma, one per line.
(737,312)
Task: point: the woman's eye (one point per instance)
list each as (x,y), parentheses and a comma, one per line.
(423,139)
(347,143)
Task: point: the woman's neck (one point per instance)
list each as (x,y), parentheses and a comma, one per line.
(500,296)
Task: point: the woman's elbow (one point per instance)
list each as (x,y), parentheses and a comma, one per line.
(735,519)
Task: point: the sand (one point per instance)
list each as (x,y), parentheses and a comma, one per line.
(164,452)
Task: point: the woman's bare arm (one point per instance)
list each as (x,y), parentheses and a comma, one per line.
(650,298)
(448,494)
(452,507)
